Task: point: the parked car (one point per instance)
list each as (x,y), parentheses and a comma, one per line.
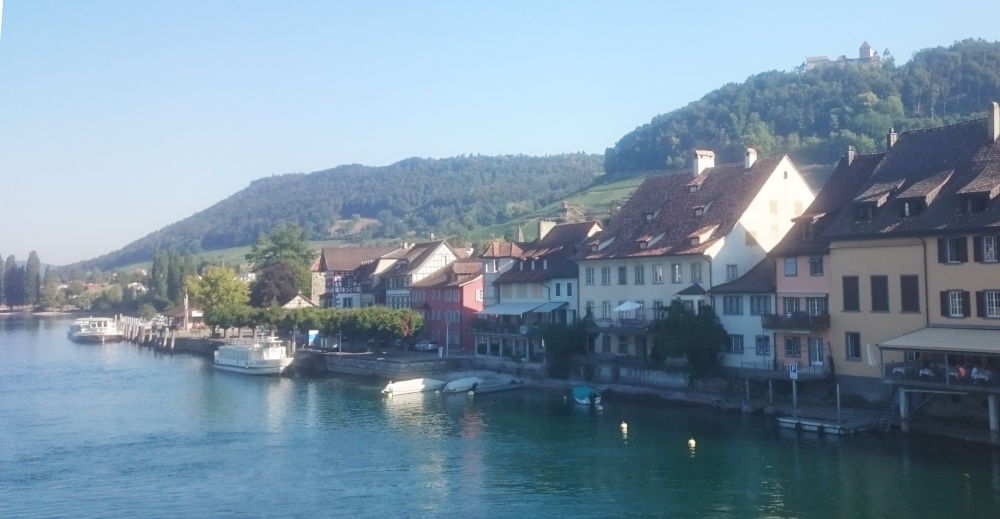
(424,345)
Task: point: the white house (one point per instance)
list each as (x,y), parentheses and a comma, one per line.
(681,234)
(741,305)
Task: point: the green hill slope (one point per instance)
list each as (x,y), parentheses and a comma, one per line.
(815,115)
(358,203)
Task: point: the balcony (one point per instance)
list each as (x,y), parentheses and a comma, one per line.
(799,321)
(621,324)
(495,328)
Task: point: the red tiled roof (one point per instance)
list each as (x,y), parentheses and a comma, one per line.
(919,158)
(668,199)
(554,251)
(457,274)
(502,248)
(349,258)
(837,194)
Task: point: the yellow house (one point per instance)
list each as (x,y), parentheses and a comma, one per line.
(915,287)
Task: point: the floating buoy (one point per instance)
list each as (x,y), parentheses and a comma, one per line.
(691,443)
(624,427)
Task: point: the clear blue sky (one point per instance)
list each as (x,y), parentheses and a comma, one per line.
(119,117)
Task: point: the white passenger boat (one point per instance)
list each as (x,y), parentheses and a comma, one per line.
(94,329)
(461,385)
(263,356)
(417,385)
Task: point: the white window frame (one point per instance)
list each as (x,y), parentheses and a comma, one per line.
(640,274)
(991,300)
(605,309)
(952,254)
(675,273)
(732,272)
(735,344)
(762,345)
(955,307)
(657,274)
(588,275)
(990,249)
(605,275)
(696,272)
(791,266)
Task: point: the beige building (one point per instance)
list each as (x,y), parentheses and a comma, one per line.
(915,270)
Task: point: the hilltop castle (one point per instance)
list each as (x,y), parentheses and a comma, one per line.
(867,57)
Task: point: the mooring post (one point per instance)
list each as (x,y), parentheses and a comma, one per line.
(838,404)
(904,412)
(994,418)
(795,399)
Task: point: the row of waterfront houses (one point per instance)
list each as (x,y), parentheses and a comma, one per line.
(889,273)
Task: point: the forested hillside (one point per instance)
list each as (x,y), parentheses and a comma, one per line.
(814,115)
(445,196)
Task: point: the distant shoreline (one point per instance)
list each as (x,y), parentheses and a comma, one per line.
(8,314)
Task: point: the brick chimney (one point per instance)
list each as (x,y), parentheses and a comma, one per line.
(851,153)
(994,121)
(890,140)
(749,158)
(703,159)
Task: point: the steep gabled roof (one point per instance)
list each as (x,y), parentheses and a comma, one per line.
(457,274)
(348,258)
(939,165)
(414,257)
(806,235)
(502,248)
(757,280)
(551,256)
(664,207)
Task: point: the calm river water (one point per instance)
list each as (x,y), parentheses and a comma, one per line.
(118,431)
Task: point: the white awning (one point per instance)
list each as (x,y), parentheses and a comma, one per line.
(957,340)
(510,308)
(548,307)
(627,306)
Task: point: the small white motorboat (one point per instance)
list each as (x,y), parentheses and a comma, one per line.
(461,385)
(416,385)
(586,395)
(95,329)
(263,356)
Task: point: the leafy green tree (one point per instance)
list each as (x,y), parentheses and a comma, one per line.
(174,277)
(13,282)
(158,275)
(218,288)
(285,243)
(32,279)
(52,296)
(562,343)
(275,284)
(697,336)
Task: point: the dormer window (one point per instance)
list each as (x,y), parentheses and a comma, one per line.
(975,203)
(545,264)
(532,264)
(692,189)
(863,212)
(644,244)
(700,210)
(912,208)
(649,217)
(695,240)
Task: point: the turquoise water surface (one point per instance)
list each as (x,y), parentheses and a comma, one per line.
(118,431)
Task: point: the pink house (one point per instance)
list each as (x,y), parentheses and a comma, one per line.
(801,322)
(449,300)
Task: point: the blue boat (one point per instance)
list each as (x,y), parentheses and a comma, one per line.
(586,395)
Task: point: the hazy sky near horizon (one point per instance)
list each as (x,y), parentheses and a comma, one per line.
(119,117)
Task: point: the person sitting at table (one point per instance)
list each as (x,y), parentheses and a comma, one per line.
(961,371)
